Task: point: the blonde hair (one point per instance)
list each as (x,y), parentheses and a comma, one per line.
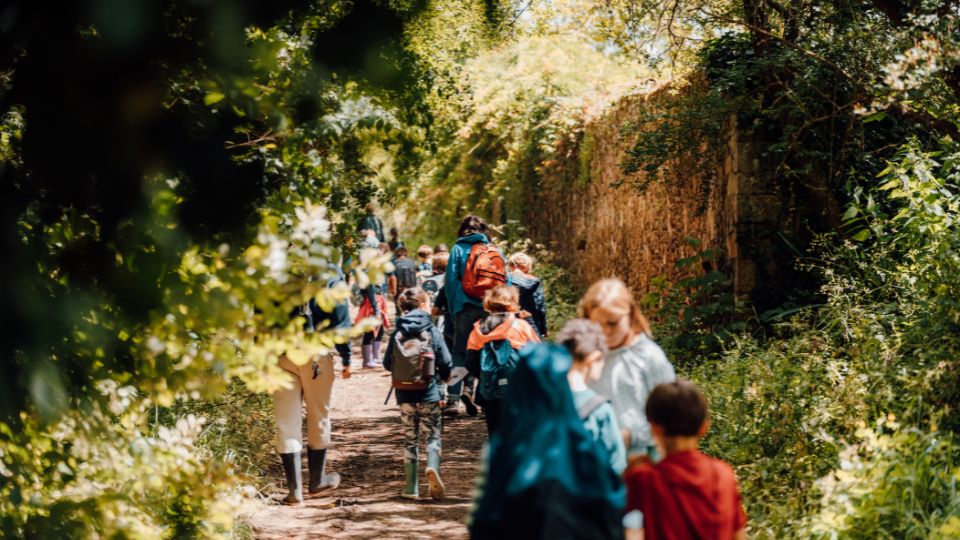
(501,299)
(613,296)
(424,251)
(521,260)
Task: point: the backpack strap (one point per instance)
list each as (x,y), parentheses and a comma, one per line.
(588,408)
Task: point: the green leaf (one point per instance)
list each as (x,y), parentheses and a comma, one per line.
(861,235)
(213,97)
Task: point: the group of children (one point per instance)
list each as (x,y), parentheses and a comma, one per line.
(590,437)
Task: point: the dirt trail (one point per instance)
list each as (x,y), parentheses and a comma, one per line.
(366,450)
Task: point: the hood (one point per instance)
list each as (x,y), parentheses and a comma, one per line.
(523,281)
(494,327)
(414,322)
(696,480)
(472,239)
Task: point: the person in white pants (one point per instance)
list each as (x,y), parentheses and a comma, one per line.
(312,383)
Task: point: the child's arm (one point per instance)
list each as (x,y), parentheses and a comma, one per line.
(388,356)
(441,354)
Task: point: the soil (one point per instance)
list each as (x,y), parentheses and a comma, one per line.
(366,450)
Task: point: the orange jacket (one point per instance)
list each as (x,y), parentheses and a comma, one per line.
(517,330)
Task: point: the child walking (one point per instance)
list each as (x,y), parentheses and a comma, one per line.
(532,299)
(492,349)
(586,344)
(633,366)
(418,361)
(687,495)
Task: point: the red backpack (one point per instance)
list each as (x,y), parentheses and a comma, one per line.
(485,270)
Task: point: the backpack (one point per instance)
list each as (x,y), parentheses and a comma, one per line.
(431,285)
(413,361)
(498,361)
(406,273)
(485,270)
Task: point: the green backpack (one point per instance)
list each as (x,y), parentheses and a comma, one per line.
(498,361)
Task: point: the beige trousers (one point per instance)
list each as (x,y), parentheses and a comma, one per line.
(312,383)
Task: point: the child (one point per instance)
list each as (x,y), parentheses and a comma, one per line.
(425,254)
(586,344)
(492,349)
(404,272)
(374,305)
(531,291)
(434,283)
(687,494)
(543,477)
(633,366)
(418,360)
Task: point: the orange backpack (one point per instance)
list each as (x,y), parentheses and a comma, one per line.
(485,270)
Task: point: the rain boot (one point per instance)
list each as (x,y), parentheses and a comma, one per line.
(292,469)
(468,403)
(376,353)
(412,488)
(367,352)
(319,482)
(433,475)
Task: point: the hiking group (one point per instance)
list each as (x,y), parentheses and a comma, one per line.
(591,436)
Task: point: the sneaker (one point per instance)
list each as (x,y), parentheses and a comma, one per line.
(451,409)
(469,405)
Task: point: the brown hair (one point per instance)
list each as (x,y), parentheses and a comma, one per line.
(401,251)
(411,299)
(612,295)
(472,225)
(501,299)
(679,407)
(439,262)
(441,248)
(582,338)
(424,251)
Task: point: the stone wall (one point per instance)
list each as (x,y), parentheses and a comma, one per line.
(600,224)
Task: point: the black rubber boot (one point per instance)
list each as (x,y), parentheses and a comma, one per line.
(292,469)
(320,482)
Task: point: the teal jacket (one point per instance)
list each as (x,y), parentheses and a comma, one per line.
(456,297)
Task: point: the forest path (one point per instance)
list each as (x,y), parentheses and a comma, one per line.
(366,449)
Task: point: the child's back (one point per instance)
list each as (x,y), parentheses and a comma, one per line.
(686,495)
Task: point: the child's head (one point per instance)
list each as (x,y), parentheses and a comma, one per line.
(384,248)
(440,262)
(394,232)
(677,410)
(610,304)
(521,262)
(501,299)
(411,299)
(441,248)
(472,225)
(586,343)
(400,252)
(425,252)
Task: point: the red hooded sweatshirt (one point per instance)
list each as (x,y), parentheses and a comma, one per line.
(686,496)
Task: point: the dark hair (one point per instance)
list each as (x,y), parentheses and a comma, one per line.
(582,338)
(679,407)
(441,248)
(411,299)
(401,251)
(472,225)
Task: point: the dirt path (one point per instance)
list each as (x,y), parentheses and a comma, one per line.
(366,450)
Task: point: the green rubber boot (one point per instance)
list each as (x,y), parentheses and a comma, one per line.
(433,475)
(412,488)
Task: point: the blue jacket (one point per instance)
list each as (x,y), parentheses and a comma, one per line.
(456,297)
(415,322)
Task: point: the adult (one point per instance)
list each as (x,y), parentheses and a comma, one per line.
(312,383)
(465,310)
(395,241)
(370,222)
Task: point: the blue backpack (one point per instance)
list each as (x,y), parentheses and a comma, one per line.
(498,361)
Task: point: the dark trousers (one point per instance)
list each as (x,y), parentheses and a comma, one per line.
(370,337)
(462,326)
(493,414)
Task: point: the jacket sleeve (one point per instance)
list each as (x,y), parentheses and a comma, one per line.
(452,276)
(540,313)
(388,356)
(441,354)
(371,294)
